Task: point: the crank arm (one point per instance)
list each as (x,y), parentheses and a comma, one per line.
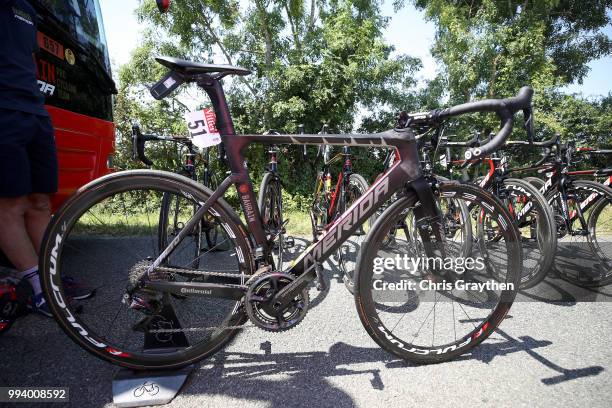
(286,295)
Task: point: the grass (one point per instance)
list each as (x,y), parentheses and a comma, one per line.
(141,223)
(299,223)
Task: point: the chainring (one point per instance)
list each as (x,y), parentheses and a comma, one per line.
(261,311)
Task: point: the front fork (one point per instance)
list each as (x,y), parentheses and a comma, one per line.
(563,201)
(429,220)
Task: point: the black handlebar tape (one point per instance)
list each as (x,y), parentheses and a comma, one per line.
(545,157)
(138,144)
(505,109)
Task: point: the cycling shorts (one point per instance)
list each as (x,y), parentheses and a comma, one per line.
(28,157)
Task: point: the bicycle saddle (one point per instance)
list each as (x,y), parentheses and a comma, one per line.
(189,67)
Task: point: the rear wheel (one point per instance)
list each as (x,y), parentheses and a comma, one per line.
(106,238)
(536,182)
(418,309)
(347,253)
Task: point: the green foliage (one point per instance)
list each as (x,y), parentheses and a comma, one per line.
(313,63)
(491,48)
(321,62)
(488,47)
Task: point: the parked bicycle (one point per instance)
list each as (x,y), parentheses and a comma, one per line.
(582,209)
(135,281)
(207,235)
(270,203)
(332,198)
(529,208)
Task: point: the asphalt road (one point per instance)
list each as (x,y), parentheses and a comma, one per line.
(550,352)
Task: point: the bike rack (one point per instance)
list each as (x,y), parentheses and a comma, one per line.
(141,388)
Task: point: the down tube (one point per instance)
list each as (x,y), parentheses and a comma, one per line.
(362,209)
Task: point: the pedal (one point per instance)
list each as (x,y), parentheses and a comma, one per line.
(288,242)
(321,283)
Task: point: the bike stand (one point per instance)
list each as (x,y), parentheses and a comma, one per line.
(140,388)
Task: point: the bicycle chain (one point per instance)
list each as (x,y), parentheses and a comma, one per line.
(195,272)
(247,325)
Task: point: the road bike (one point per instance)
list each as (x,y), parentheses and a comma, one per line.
(270,203)
(331,199)
(529,208)
(449,311)
(582,208)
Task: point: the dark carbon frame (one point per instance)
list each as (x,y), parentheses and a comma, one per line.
(405,172)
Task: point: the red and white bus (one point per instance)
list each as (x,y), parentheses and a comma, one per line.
(74,73)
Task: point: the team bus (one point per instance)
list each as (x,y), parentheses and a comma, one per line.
(74,74)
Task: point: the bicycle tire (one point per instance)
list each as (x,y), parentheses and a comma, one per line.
(51,263)
(366,305)
(165,216)
(546,235)
(602,204)
(537,182)
(269,201)
(357,186)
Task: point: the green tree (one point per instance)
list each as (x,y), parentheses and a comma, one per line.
(313,62)
(490,48)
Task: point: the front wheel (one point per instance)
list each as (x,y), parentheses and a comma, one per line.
(432,309)
(590,211)
(536,224)
(270,202)
(106,236)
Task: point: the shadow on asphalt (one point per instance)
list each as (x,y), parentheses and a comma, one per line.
(241,375)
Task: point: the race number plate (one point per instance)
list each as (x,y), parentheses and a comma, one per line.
(202,128)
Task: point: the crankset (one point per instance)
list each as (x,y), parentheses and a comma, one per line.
(267,314)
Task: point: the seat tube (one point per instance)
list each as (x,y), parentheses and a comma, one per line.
(233,150)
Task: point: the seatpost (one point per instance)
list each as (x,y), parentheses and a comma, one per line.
(233,148)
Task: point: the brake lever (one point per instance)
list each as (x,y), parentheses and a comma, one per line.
(528,125)
(138,145)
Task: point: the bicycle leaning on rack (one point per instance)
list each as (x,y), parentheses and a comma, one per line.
(332,199)
(206,235)
(529,208)
(436,321)
(582,208)
(270,203)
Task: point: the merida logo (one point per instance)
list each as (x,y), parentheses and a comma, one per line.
(196,291)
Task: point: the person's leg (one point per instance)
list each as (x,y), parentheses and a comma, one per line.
(15,185)
(17,131)
(14,239)
(37,217)
(17,246)
(42,156)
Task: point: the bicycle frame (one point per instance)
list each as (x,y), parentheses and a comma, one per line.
(405,172)
(343,179)
(556,184)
